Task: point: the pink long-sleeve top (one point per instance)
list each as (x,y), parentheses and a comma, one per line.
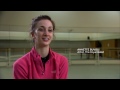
(30,66)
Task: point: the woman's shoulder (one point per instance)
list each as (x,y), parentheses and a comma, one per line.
(61,59)
(22,60)
(59,55)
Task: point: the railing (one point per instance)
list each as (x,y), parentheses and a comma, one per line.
(9,55)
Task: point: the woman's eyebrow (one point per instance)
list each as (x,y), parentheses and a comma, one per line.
(48,27)
(42,26)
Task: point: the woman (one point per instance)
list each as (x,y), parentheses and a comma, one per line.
(41,62)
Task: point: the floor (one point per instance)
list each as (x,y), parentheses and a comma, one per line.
(79,72)
(94,72)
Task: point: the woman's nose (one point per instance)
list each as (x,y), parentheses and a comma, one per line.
(46,32)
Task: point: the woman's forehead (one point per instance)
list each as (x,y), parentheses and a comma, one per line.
(45,23)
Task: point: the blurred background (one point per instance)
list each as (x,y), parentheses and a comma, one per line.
(74,29)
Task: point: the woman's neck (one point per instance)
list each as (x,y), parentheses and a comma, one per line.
(43,51)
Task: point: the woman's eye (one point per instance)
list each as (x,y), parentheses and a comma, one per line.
(40,29)
(50,30)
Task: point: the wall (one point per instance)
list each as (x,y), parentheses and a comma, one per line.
(107,45)
(118,43)
(77,21)
(15,44)
(64,19)
(54,44)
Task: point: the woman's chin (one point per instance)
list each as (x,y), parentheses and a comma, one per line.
(45,44)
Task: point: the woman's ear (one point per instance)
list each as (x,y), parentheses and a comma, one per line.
(32,34)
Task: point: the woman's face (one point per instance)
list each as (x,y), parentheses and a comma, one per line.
(43,34)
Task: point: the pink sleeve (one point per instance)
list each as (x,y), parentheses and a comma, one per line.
(19,71)
(63,68)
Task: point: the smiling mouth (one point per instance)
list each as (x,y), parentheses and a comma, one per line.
(45,39)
